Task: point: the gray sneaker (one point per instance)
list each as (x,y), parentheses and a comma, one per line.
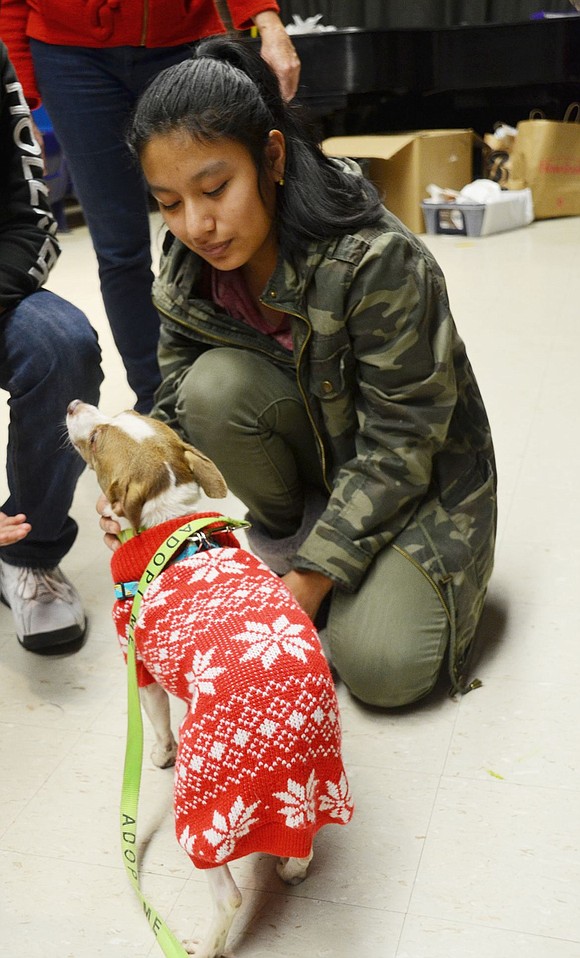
(46,608)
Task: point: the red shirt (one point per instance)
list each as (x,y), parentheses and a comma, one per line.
(112,23)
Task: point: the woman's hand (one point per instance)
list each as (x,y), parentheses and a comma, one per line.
(13,528)
(308,588)
(38,136)
(278,51)
(110,526)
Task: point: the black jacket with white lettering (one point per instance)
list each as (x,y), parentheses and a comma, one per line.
(28,247)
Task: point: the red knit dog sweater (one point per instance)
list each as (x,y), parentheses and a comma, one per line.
(259,766)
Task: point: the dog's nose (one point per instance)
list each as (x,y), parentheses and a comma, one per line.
(72,406)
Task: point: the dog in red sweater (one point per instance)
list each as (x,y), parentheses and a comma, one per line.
(258,767)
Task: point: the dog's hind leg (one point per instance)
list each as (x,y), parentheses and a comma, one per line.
(226,899)
(155,701)
(293,870)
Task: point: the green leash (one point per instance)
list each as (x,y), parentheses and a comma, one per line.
(169,944)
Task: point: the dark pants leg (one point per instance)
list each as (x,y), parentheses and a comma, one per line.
(89,95)
(49,356)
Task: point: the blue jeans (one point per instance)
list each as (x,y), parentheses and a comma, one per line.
(89,95)
(49,355)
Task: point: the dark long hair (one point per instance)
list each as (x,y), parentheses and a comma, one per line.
(227,90)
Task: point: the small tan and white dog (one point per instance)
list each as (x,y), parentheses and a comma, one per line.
(258,766)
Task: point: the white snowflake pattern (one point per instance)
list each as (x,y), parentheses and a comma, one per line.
(124,639)
(268,643)
(155,597)
(239,597)
(187,841)
(338,800)
(124,643)
(226,832)
(299,802)
(210,568)
(201,676)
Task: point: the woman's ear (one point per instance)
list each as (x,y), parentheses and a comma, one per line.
(276,155)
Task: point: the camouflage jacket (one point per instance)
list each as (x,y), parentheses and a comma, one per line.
(402,432)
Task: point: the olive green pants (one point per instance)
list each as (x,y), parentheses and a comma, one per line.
(388,640)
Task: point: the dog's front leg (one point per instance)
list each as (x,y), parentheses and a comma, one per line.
(293,870)
(155,701)
(226,899)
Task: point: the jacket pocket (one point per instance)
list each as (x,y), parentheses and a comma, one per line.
(331,377)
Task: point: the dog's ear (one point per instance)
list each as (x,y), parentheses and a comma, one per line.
(205,472)
(128,498)
(135,498)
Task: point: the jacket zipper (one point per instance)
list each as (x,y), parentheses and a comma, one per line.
(317,435)
(459,681)
(145,22)
(431,581)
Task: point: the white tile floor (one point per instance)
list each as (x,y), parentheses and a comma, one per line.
(465,841)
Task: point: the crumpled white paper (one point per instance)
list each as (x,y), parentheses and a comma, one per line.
(309,25)
(479,191)
(504,209)
(504,131)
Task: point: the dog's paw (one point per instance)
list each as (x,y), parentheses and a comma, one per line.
(163,756)
(293,871)
(206,949)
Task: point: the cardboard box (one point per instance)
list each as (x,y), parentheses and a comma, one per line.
(403,165)
(511,210)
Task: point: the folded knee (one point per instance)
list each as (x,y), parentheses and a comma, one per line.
(388,641)
(385,677)
(211,390)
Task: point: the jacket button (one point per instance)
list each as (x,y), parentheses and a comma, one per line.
(327,386)
(272,294)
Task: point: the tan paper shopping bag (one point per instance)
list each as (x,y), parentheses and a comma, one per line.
(546,157)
